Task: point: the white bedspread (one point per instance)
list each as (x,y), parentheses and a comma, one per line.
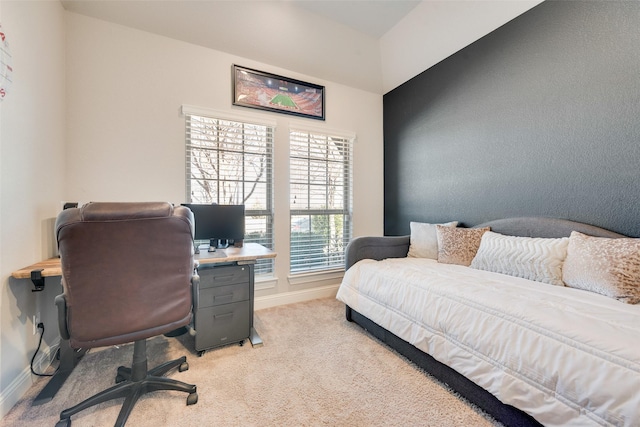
(565,356)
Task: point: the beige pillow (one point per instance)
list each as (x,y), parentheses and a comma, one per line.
(423,241)
(606,266)
(532,258)
(458,245)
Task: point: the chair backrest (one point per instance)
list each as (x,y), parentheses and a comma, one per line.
(126,271)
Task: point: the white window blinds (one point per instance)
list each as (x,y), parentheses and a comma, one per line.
(231,162)
(320,168)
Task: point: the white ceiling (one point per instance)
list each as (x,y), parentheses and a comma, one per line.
(374,18)
(367,44)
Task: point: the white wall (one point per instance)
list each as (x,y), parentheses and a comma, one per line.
(126,138)
(32,163)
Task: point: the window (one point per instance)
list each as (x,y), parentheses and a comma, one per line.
(320,200)
(230,162)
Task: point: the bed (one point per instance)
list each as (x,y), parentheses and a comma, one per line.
(526,352)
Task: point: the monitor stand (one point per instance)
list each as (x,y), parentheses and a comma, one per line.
(223,243)
(214,244)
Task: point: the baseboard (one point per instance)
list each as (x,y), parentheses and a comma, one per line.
(10,395)
(295,296)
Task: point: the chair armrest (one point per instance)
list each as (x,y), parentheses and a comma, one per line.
(377,248)
(61,303)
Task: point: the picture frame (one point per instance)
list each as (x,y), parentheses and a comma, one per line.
(271,92)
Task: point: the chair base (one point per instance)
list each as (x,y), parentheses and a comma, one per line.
(132,383)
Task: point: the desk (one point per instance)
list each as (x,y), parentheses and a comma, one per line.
(50,268)
(69,357)
(249,252)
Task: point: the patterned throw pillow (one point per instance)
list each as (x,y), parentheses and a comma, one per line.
(458,245)
(537,259)
(606,266)
(423,241)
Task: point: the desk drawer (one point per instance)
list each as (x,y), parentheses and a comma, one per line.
(219,295)
(223,276)
(222,324)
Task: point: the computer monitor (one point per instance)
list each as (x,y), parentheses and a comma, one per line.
(220,224)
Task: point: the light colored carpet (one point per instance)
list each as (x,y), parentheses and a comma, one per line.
(315,369)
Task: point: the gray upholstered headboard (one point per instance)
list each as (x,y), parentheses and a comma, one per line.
(398,246)
(544,227)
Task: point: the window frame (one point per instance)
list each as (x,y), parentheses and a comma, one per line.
(265,267)
(333,260)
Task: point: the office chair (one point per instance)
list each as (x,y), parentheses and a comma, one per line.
(127,274)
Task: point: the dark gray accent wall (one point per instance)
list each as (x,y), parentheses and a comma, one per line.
(541,117)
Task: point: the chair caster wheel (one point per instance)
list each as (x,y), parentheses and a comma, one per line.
(183,367)
(67,421)
(119,379)
(200,353)
(192,399)
(241,343)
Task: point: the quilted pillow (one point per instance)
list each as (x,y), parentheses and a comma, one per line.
(537,259)
(458,245)
(606,266)
(423,241)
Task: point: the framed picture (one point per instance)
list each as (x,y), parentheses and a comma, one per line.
(265,91)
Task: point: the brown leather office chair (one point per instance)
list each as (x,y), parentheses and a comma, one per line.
(127,274)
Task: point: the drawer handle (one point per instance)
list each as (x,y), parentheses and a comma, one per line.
(218,297)
(220,316)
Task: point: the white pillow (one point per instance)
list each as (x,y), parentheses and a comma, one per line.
(424,240)
(537,259)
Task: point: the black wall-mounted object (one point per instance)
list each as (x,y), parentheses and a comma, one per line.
(541,117)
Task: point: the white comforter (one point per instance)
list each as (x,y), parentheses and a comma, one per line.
(565,356)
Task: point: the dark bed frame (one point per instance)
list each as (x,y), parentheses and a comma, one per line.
(379,248)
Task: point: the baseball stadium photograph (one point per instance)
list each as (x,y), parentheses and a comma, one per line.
(256,89)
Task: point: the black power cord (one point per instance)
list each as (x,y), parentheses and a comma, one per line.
(41,329)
